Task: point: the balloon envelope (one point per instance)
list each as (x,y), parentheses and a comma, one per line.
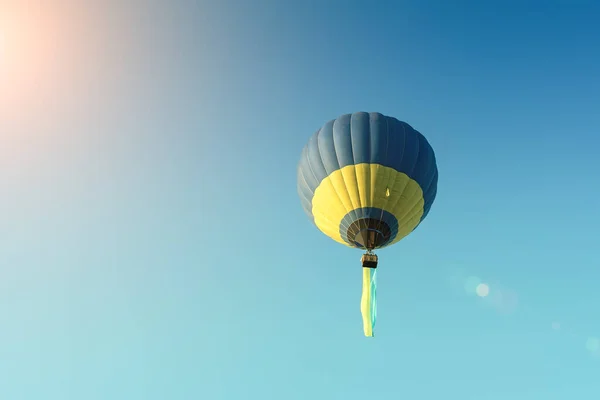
(367,180)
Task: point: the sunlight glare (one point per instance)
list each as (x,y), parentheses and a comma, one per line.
(482,290)
(2,44)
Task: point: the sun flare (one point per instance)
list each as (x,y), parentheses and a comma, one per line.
(30,54)
(1,45)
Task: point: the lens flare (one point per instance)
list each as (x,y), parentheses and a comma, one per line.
(482,290)
(471,285)
(593,345)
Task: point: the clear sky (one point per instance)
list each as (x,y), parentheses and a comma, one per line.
(153,246)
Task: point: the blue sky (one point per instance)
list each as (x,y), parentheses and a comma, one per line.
(154,247)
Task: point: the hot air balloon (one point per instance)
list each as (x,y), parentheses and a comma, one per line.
(367,180)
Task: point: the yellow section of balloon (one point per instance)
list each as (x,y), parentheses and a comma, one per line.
(367,185)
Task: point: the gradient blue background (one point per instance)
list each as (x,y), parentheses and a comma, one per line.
(152,244)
